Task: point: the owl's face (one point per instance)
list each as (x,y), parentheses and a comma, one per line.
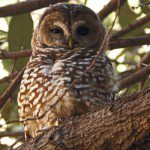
(68,26)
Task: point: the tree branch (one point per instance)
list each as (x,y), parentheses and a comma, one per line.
(14,55)
(113,44)
(109,8)
(26,6)
(11,134)
(132,26)
(12,87)
(144,61)
(129,42)
(117,127)
(135,77)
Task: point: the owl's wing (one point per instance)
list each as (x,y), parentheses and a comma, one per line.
(24,104)
(113,78)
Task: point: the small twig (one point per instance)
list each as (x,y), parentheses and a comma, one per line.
(85,2)
(12,71)
(6,95)
(131,27)
(119,55)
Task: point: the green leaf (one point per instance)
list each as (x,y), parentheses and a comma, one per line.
(126,15)
(8,20)
(10,110)
(19,37)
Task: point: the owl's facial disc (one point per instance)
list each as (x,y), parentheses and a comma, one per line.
(69,26)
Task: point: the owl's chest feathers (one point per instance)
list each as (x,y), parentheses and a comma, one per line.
(67,69)
(49,83)
(70,68)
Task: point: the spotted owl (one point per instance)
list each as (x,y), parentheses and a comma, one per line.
(65,42)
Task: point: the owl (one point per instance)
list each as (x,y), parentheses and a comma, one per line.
(64,44)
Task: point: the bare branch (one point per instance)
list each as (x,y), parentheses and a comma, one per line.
(135,77)
(144,61)
(129,42)
(132,26)
(12,87)
(26,6)
(14,55)
(109,8)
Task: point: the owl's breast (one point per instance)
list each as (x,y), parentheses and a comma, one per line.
(93,84)
(50,84)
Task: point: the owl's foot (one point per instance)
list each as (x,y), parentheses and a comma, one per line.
(46,128)
(27,136)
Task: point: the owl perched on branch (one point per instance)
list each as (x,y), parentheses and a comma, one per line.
(55,85)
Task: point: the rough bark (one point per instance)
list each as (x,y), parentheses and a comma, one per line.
(122,125)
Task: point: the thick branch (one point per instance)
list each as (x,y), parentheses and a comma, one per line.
(26,6)
(117,127)
(109,8)
(129,42)
(132,26)
(113,44)
(135,77)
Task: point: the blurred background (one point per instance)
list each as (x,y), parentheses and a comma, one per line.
(16,33)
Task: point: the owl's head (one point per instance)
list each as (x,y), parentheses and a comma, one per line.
(68,26)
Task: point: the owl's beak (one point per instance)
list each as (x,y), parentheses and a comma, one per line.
(70,43)
(70,40)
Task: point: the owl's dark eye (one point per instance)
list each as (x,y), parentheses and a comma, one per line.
(83,31)
(56,31)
